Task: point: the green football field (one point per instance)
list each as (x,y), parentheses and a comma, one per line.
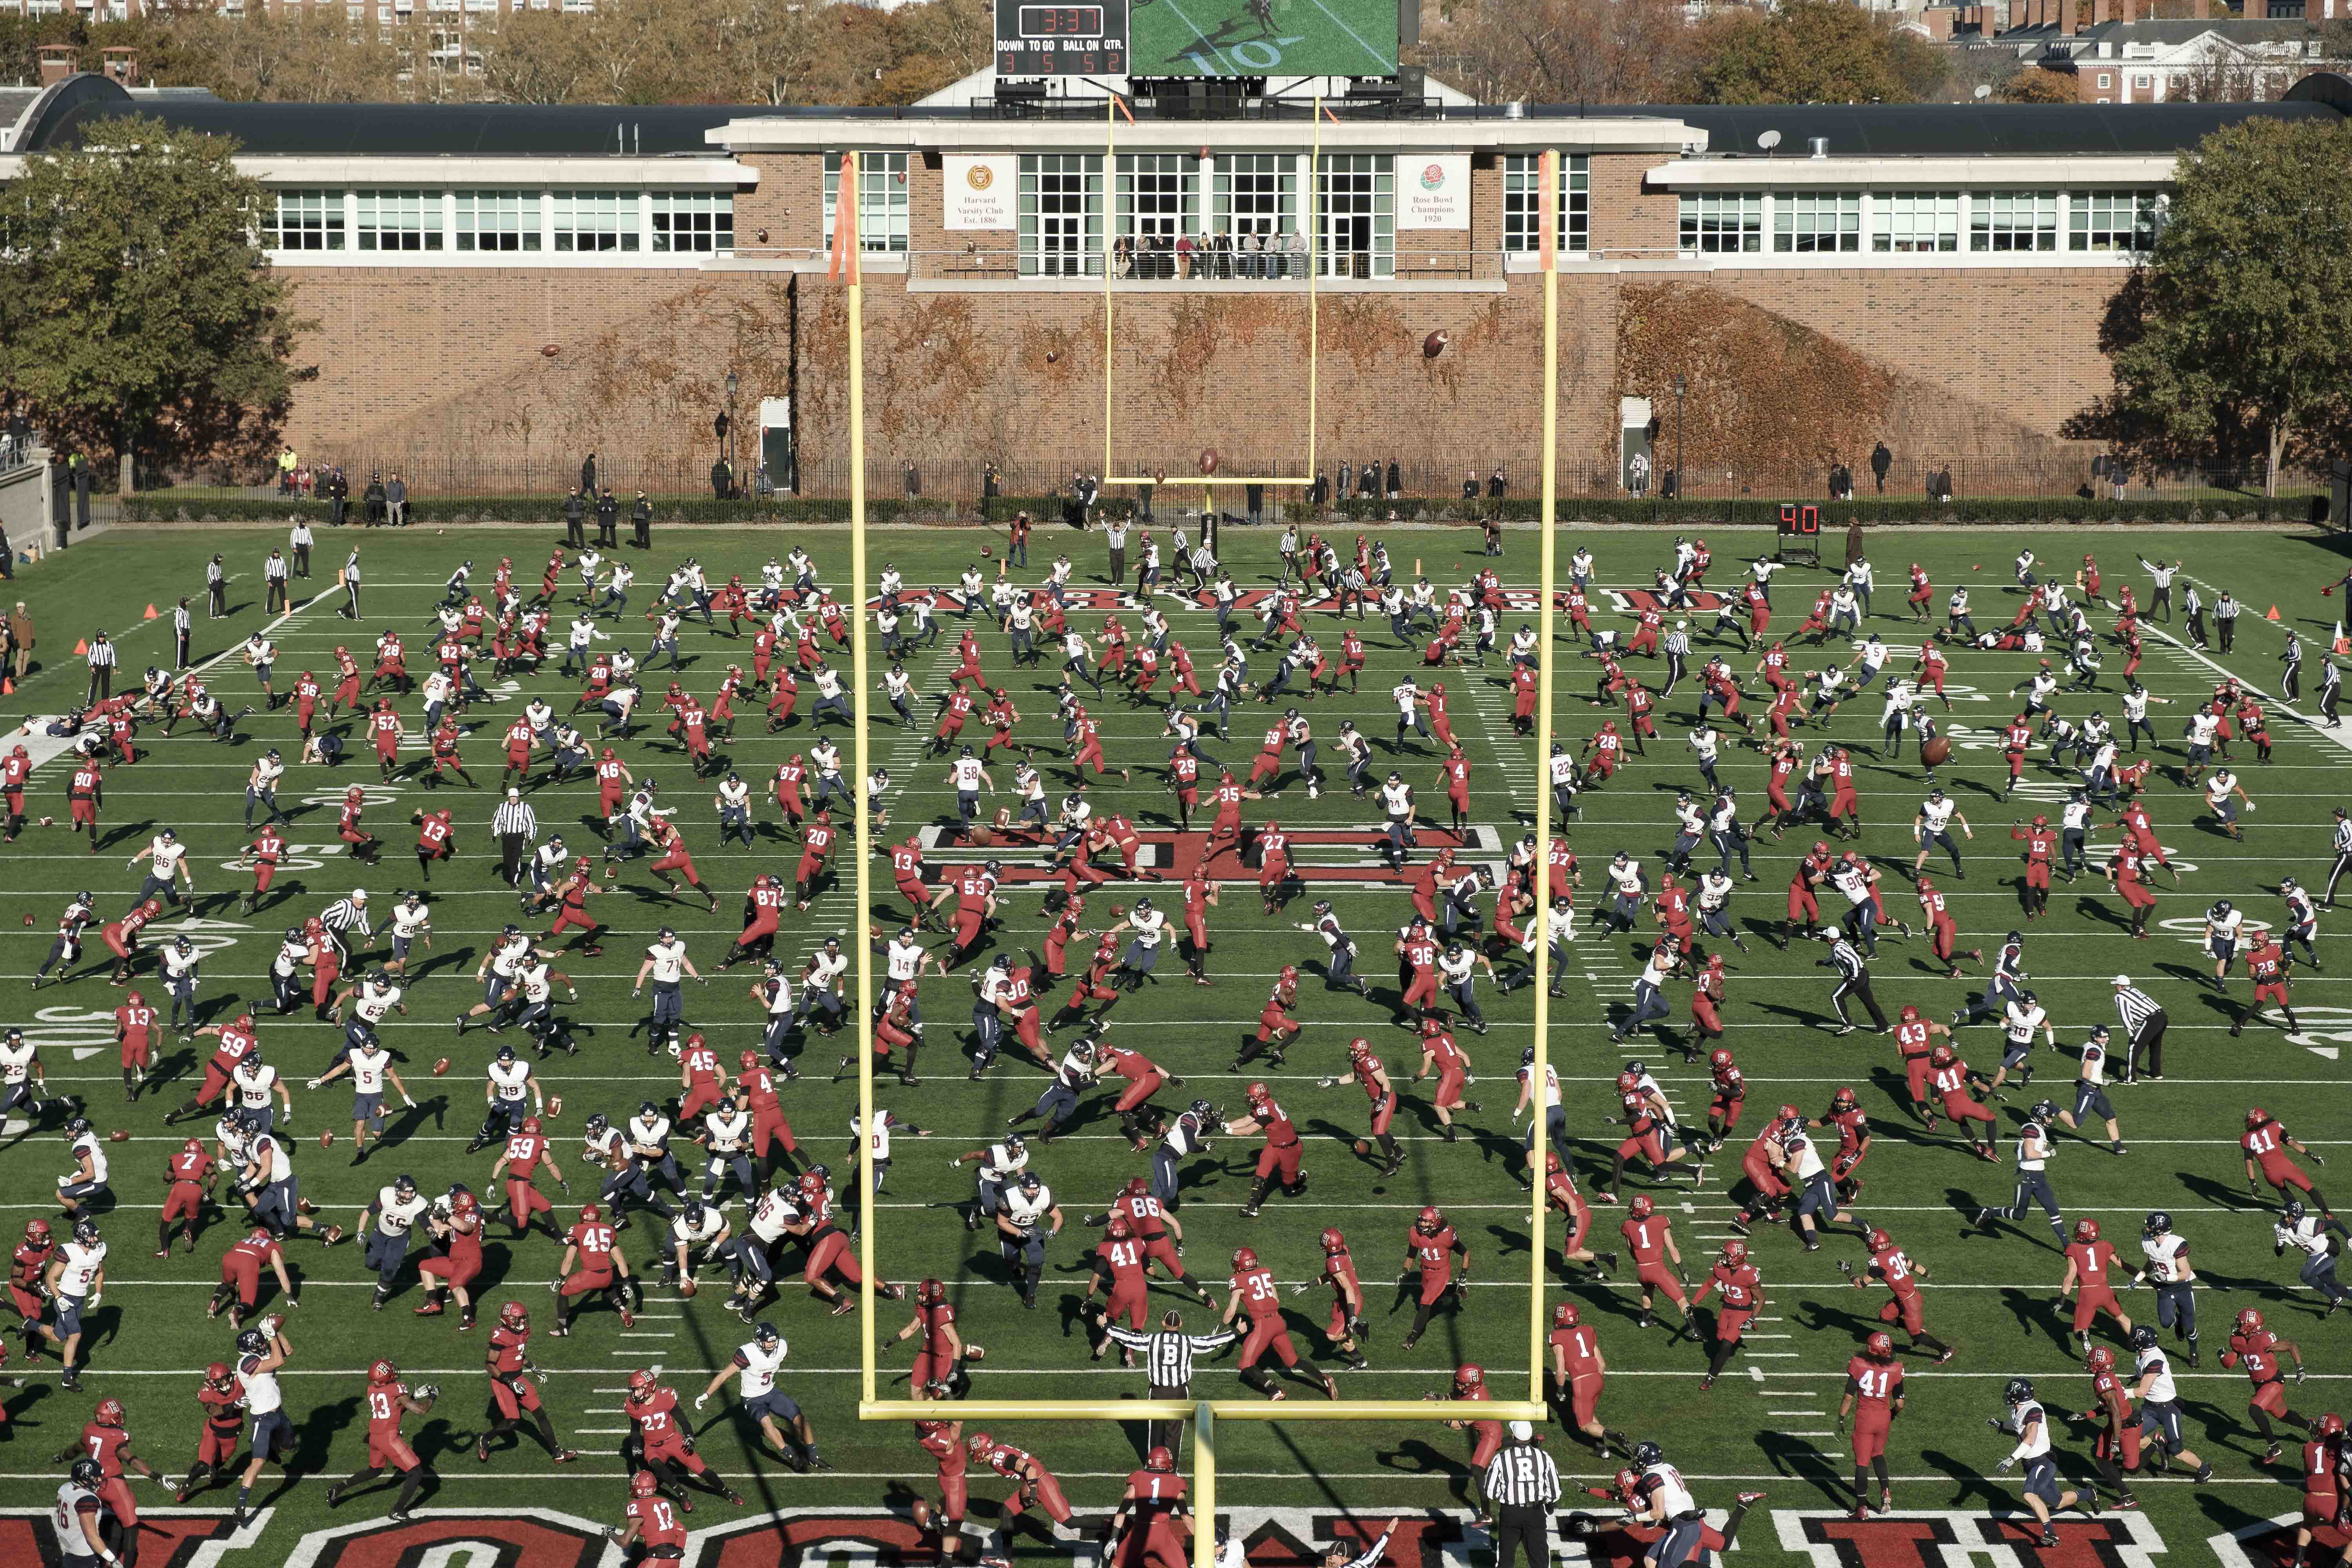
(1770,1425)
(1263,38)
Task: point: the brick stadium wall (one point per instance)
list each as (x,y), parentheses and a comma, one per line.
(447,363)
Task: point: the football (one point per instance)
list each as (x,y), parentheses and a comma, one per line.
(1209,460)
(985,552)
(440,1067)
(922,1512)
(686,1289)
(46,821)
(1935,750)
(554,1105)
(973,1353)
(1434,344)
(120,1135)
(28,919)
(1362,1147)
(326,1138)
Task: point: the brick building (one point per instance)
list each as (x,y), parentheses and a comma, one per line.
(509,286)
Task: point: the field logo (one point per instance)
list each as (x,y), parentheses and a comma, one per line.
(168,1537)
(460,1537)
(2271,1544)
(1317,855)
(1932,1537)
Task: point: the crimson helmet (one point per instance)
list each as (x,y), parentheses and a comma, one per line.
(1119,1229)
(643,1484)
(642,1384)
(1333,1242)
(1734,1252)
(1429,1222)
(1563,1316)
(1941,1056)
(383,1372)
(2086,1230)
(1880,1346)
(590,1213)
(110,1413)
(2256,1116)
(36,1233)
(1160,1458)
(1469,1374)
(931,1293)
(2329,1426)
(1245,1259)
(1642,1207)
(1878,1240)
(514,1315)
(2250,1321)
(1910,1013)
(530,1124)
(2100,1359)
(1627,1083)
(1720,1059)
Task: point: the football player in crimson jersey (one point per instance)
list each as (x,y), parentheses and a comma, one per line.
(1729,1099)
(1560,1193)
(2258,1349)
(943,1441)
(1117,1268)
(604,1269)
(1579,1374)
(514,1387)
(1901,1275)
(1486,1437)
(2119,1427)
(1429,1248)
(387,1400)
(2267,1144)
(106,1439)
(2089,1280)
(1735,1278)
(1651,1235)
(2322,1489)
(1345,1328)
(654,1522)
(1033,1486)
(1146,1531)
(665,1444)
(1873,1397)
(1253,1289)
(218,1396)
(940,1360)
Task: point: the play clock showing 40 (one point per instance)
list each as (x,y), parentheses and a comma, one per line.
(1034,39)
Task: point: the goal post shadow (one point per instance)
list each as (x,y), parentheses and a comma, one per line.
(1207,1414)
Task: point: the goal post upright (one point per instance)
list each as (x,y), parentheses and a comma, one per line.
(1538,1081)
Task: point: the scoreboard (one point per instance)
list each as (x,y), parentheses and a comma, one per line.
(1037,40)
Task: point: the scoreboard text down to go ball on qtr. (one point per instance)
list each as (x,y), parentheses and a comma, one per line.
(1033,39)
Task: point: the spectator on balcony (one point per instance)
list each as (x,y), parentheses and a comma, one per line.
(1122,259)
(1294,244)
(1184,249)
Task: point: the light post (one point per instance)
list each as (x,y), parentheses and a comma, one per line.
(730,430)
(1681,386)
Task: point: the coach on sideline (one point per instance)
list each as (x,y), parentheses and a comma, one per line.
(1521,1484)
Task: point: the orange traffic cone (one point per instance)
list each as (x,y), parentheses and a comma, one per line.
(81,647)
(150,615)
(2341,643)
(8,686)
(2274,615)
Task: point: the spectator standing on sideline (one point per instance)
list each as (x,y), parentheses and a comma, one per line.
(1520,1487)
(515,825)
(1319,496)
(608,520)
(1880,461)
(183,626)
(287,462)
(395,502)
(1470,485)
(371,502)
(1254,502)
(20,638)
(102,668)
(1115,540)
(1495,485)
(575,518)
(1396,481)
(299,540)
(216,586)
(338,490)
(1143,497)
(641,521)
(988,485)
(914,477)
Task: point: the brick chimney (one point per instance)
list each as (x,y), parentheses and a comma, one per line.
(2199,9)
(58,61)
(122,64)
(2066,16)
(1938,22)
(2098,13)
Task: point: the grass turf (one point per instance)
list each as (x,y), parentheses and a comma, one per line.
(1770,1423)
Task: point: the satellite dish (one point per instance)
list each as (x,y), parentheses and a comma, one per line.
(1768,140)
(1984,91)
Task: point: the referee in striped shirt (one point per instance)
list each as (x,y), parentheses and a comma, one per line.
(346,915)
(102,668)
(516,825)
(2343,855)
(1167,1353)
(1854,980)
(2143,1023)
(1520,1486)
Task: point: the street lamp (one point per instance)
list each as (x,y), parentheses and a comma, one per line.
(1681,386)
(731,429)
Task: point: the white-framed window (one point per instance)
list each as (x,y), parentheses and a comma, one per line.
(2114,220)
(881,199)
(1355,208)
(2106,80)
(1156,196)
(1907,222)
(2013,220)
(1255,192)
(694,222)
(305,220)
(2141,81)
(596,220)
(1060,208)
(1816,221)
(1722,221)
(1523,203)
(498,220)
(399,220)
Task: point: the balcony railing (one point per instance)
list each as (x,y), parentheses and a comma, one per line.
(1154,267)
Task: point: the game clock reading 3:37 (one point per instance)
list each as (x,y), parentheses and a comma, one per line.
(1033,39)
